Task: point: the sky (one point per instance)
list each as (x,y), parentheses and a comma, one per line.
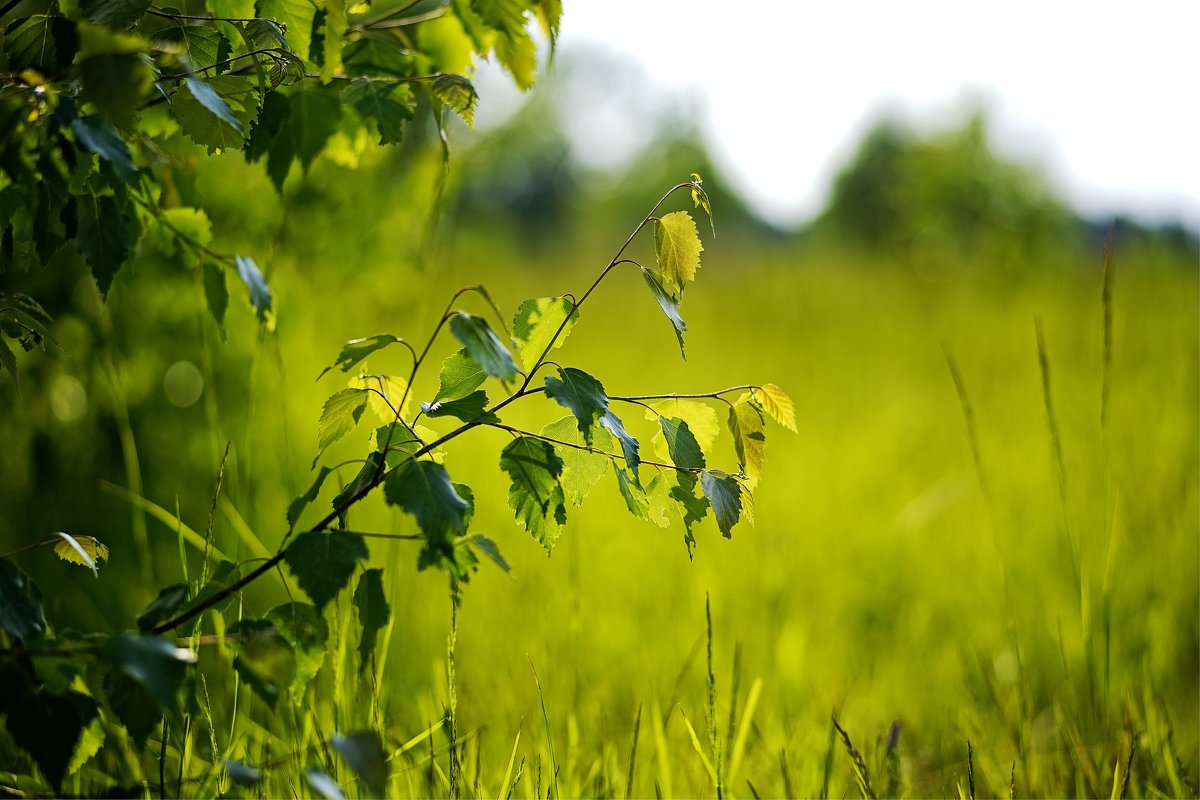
(1104,97)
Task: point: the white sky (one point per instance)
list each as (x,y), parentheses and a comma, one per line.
(1105,96)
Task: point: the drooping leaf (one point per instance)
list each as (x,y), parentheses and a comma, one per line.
(749,438)
(323,562)
(701,420)
(21,611)
(208,97)
(314,117)
(483,345)
(373,612)
(305,629)
(581,469)
(260,293)
(747,504)
(535,495)
(424,489)
(363,751)
(581,394)
(677,247)
(386,395)
(725,496)
(326,786)
(155,663)
(456,92)
(460,375)
(389,105)
(490,549)
(95,133)
(194,108)
(87,551)
(243,774)
(536,324)
(777,404)
(472,408)
(355,350)
(265,659)
(700,198)
(633,494)
(105,238)
(514,47)
(693,507)
(629,445)
(668,304)
(170,599)
(48,727)
(297,18)
(371,469)
(340,414)
(682,446)
(216,293)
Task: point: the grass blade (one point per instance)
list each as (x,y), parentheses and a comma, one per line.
(637,727)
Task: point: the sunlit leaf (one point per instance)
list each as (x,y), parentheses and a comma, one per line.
(297,18)
(313,119)
(535,494)
(460,376)
(701,419)
(393,390)
(483,345)
(208,97)
(777,404)
(749,438)
(456,92)
(339,416)
(536,324)
(633,494)
(193,107)
(700,198)
(668,304)
(87,551)
(725,497)
(581,469)
(677,247)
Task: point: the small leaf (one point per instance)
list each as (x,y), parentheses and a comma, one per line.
(460,376)
(323,784)
(243,774)
(216,293)
(260,293)
(97,134)
(537,323)
(265,659)
(491,550)
(355,350)
(633,494)
(390,105)
(20,604)
(777,404)
(87,551)
(324,562)
(749,438)
(339,416)
(207,96)
(581,470)
(472,408)
(155,663)
(297,16)
(725,496)
(693,506)
(456,92)
(535,495)
(371,469)
(681,444)
(373,612)
(677,247)
(206,119)
(170,599)
(668,304)
(700,198)
(363,751)
(106,237)
(483,345)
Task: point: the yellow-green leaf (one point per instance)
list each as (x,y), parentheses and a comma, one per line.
(700,198)
(701,420)
(777,404)
(87,551)
(749,440)
(677,247)
(390,386)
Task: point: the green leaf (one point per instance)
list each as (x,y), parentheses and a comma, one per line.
(701,420)
(629,445)
(48,727)
(203,125)
(201,45)
(95,133)
(777,404)
(45,43)
(114,13)
(424,489)
(401,443)
(363,751)
(700,198)
(725,496)
(457,92)
(536,323)
(472,408)
(749,438)
(323,562)
(314,118)
(668,304)
(514,46)
(333,33)
(677,248)
(269,128)
(682,446)
(216,293)
(355,350)
(460,376)
(373,612)
(389,105)
(535,495)
(658,497)
(305,629)
(326,786)
(134,705)
(105,238)
(231,9)
(265,659)
(693,506)
(491,550)
(581,394)
(297,506)
(581,470)
(483,345)
(371,469)
(21,611)
(155,663)
(339,416)
(86,551)
(297,18)
(170,599)
(633,494)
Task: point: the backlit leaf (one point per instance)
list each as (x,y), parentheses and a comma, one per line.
(701,420)
(777,404)
(456,92)
(389,105)
(633,494)
(201,45)
(536,323)
(203,125)
(668,304)
(355,350)
(725,496)
(339,416)
(297,18)
(373,612)
(483,345)
(700,198)
(677,247)
(460,376)
(391,387)
(324,561)
(87,551)
(514,47)
(581,470)
(472,408)
(535,495)
(207,96)
(749,439)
